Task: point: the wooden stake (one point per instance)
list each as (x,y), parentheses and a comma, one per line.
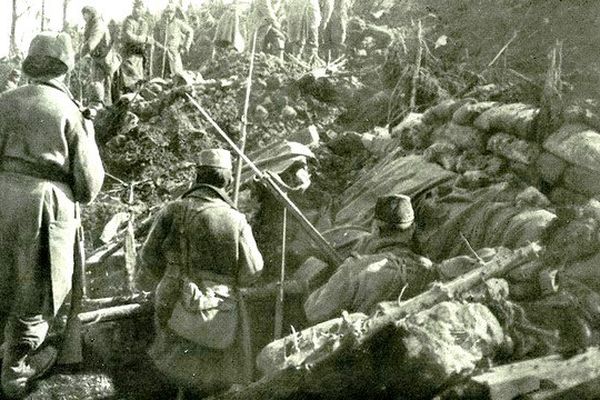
(238,171)
(415,80)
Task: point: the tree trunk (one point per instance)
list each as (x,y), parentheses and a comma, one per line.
(13,29)
(43,16)
(64,21)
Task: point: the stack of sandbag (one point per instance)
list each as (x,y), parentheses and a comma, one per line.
(491,136)
(495,138)
(570,161)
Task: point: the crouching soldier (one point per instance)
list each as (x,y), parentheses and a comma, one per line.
(384,268)
(49,161)
(203,249)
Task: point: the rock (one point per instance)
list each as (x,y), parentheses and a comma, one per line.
(308,136)
(516,119)
(467,113)
(347,143)
(445,342)
(288,113)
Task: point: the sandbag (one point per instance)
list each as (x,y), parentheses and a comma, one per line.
(577,144)
(467,113)
(514,149)
(462,137)
(581,180)
(565,197)
(443,111)
(550,167)
(516,119)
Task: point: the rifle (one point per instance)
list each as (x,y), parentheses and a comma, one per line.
(333,257)
(71,351)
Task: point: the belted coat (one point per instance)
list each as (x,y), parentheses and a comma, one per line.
(48,161)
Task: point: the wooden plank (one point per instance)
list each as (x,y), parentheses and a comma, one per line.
(577,374)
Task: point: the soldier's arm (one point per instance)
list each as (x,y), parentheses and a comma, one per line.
(188,34)
(86,165)
(151,254)
(250,260)
(130,35)
(95,37)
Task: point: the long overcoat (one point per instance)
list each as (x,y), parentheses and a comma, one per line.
(214,232)
(48,161)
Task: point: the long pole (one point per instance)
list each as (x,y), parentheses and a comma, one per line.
(328,251)
(238,171)
(279,303)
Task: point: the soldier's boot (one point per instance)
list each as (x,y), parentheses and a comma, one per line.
(22,365)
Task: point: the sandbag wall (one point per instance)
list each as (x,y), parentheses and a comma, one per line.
(485,140)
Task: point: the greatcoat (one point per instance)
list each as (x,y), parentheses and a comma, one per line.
(214,232)
(48,161)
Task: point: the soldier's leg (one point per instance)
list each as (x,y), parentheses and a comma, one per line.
(25,332)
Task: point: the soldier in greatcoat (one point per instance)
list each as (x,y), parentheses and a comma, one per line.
(265,20)
(201,238)
(49,161)
(98,44)
(174,36)
(135,37)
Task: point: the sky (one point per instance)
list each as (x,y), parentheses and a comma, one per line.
(29,25)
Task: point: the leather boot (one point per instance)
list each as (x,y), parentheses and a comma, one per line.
(22,365)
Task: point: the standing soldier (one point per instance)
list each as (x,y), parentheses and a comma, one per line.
(265,21)
(334,32)
(174,36)
(97,43)
(203,249)
(50,161)
(304,21)
(135,36)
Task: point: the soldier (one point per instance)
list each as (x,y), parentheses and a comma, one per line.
(200,244)
(304,20)
(97,43)
(264,20)
(50,161)
(135,36)
(174,36)
(384,267)
(333,37)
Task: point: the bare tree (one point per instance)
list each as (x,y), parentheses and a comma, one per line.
(15,16)
(43,16)
(64,21)
(13,29)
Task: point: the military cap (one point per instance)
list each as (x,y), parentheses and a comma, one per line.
(50,54)
(217,158)
(395,209)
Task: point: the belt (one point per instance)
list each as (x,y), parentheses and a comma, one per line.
(46,172)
